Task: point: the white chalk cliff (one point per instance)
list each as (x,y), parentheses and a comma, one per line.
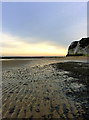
(79,47)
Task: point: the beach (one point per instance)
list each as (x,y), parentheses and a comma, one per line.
(46,88)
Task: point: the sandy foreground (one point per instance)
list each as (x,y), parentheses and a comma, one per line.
(40,88)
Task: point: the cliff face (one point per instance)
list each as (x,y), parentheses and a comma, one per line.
(79,47)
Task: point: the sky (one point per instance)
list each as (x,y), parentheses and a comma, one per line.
(41,28)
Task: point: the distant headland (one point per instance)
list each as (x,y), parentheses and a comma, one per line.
(27,57)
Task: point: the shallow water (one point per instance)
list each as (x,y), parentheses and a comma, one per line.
(13,63)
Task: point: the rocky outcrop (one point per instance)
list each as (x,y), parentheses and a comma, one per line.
(78,48)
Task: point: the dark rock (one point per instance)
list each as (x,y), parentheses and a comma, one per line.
(84,42)
(73,45)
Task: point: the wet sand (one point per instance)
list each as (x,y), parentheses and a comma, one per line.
(13,63)
(43,88)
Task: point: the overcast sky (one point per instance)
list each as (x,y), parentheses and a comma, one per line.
(39,29)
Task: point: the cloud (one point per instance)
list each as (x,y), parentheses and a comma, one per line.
(13,45)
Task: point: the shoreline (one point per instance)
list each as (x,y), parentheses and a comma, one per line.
(10,63)
(44,57)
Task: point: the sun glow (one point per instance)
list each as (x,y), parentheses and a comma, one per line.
(15,46)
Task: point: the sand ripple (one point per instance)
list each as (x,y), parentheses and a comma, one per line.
(38,92)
